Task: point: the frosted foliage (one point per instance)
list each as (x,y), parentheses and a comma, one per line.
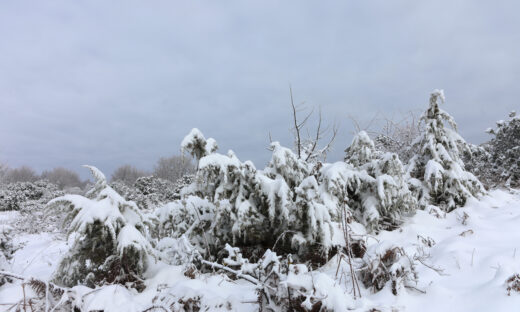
(361,150)
(311,214)
(112,226)
(197,146)
(284,286)
(388,264)
(6,249)
(287,164)
(232,202)
(438,168)
(381,195)
(497,162)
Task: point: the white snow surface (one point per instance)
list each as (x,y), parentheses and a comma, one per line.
(475,266)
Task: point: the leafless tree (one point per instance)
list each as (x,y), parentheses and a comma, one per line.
(392,134)
(63,177)
(128,174)
(398,135)
(307,147)
(173,168)
(3,171)
(22,174)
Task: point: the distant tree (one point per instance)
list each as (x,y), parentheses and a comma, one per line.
(22,174)
(3,171)
(173,168)
(62,177)
(398,136)
(128,174)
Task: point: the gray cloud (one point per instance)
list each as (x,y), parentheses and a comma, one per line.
(116,82)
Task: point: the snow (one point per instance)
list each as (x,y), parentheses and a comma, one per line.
(219,161)
(194,135)
(474,268)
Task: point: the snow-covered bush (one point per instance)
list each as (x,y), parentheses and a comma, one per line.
(6,249)
(30,200)
(283,286)
(381,195)
(151,192)
(27,195)
(109,238)
(437,172)
(232,202)
(497,162)
(385,263)
(197,146)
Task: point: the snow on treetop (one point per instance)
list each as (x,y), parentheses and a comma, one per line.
(97,174)
(362,137)
(219,160)
(194,135)
(211,146)
(439,93)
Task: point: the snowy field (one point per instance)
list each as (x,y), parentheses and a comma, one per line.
(474,250)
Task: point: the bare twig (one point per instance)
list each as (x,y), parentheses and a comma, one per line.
(296,127)
(344,223)
(281,235)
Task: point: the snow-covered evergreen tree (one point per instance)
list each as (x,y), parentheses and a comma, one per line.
(109,238)
(246,207)
(504,150)
(382,195)
(438,173)
(197,146)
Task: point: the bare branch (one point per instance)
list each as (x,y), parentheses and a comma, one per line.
(296,128)
(316,139)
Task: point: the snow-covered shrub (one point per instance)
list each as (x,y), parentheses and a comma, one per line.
(109,238)
(283,286)
(197,146)
(193,218)
(477,160)
(27,195)
(384,264)
(437,172)
(380,196)
(151,192)
(513,284)
(232,202)
(30,200)
(497,162)
(6,249)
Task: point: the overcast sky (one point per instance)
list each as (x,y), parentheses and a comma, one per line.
(114,82)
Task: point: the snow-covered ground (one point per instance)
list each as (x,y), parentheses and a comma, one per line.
(476,249)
